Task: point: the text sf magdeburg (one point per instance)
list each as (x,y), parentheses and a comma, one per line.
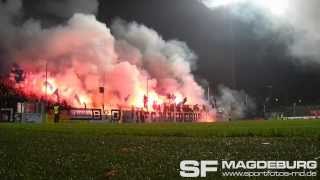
(193,168)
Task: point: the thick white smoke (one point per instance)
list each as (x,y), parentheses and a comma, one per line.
(304,17)
(83,55)
(300,16)
(234,104)
(170,62)
(87,51)
(16,32)
(8,13)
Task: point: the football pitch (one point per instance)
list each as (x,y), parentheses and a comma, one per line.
(147,151)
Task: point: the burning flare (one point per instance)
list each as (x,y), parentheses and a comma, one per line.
(84,64)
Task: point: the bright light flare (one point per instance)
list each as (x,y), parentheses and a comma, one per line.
(276,7)
(49,87)
(220,3)
(84,100)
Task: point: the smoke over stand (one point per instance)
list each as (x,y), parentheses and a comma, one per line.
(70,62)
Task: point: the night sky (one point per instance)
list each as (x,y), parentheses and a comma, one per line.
(218,38)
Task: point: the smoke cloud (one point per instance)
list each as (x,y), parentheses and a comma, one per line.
(298,22)
(17,33)
(9,13)
(304,18)
(86,50)
(234,104)
(129,60)
(170,63)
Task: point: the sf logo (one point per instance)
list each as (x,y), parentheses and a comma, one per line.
(191,168)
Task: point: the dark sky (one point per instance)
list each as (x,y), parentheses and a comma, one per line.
(219,38)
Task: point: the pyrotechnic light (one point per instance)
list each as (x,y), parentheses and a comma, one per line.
(49,86)
(276,7)
(151,74)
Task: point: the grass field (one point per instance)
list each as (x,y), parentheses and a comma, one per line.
(146,151)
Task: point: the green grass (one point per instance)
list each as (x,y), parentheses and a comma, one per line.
(298,128)
(146,151)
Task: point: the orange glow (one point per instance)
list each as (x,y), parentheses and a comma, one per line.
(81,63)
(49,87)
